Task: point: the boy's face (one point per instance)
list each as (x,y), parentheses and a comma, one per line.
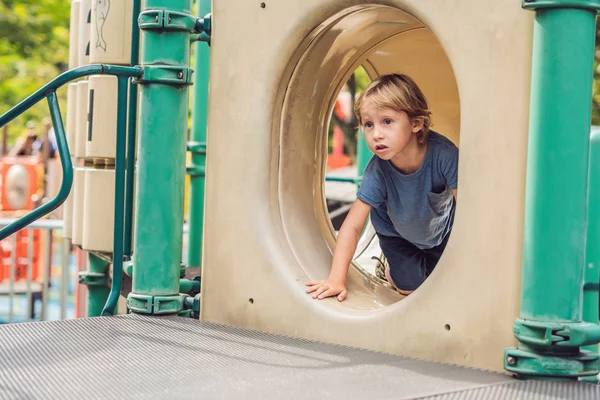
(389,133)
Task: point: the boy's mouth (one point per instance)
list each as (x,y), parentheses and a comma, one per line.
(380,147)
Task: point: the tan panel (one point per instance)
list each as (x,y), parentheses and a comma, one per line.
(71,116)
(74,34)
(82,116)
(265,230)
(103,140)
(78,196)
(110,40)
(68,215)
(85,27)
(99,210)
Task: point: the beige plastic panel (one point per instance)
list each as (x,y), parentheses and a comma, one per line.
(111,32)
(266,232)
(71,116)
(99,208)
(74,34)
(78,195)
(85,29)
(81,130)
(104,122)
(68,215)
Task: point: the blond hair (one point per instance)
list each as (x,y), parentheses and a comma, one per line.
(397,92)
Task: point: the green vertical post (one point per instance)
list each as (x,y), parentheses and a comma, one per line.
(550,330)
(592,243)
(363,154)
(119,217)
(166,26)
(131,128)
(97,285)
(198,144)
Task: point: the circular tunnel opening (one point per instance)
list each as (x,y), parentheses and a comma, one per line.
(369,41)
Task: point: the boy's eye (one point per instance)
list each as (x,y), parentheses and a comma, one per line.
(368,124)
(387,121)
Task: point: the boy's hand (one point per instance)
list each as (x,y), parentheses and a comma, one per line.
(327,288)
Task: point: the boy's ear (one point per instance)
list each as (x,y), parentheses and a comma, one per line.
(418,124)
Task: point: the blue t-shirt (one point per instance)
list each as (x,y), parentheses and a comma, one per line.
(418,207)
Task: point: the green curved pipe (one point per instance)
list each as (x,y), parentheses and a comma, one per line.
(67,181)
(49,91)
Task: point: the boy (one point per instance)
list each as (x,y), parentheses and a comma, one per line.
(409,188)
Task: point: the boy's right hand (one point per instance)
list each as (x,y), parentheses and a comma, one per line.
(327,288)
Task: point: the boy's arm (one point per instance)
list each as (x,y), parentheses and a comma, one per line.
(345,247)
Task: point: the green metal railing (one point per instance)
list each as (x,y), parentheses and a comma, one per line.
(122,247)
(343,179)
(119,217)
(48,91)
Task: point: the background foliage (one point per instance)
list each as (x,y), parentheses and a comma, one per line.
(34,48)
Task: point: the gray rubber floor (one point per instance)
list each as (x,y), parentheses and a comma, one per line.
(137,357)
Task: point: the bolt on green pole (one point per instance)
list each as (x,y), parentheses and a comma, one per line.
(550,330)
(166,26)
(198,144)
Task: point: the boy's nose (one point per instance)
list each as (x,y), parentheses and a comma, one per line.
(377,133)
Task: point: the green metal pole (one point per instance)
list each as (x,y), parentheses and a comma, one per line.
(98,289)
(166,26)
(592,245)
(363,154)
(198,145)
(550,330)
(186,285)
(131,128)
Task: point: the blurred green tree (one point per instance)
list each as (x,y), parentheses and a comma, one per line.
(34,48)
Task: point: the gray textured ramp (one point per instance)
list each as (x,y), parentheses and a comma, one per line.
(138,357)
(527,390)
